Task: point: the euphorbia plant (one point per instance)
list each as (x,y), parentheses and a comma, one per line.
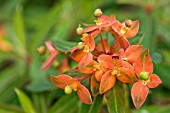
(106,64)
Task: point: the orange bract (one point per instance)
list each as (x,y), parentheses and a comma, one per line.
(51,58)
(106,62)
(139,90)
(62,81)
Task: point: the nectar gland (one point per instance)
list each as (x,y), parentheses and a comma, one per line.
(86,49)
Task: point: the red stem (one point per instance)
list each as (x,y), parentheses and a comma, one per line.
(102,42)
(85,77)
(95,54)
(97,50)
(107,36)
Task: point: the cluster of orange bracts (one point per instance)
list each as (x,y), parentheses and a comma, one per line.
(106,63)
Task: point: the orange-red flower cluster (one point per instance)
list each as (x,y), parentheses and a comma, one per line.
(107,63)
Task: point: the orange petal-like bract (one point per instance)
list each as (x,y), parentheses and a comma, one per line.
(77,55)
(84,94)
(143,63)
(132,31)
(51,58)
(103,60)
(62,81)
(87,69)
(85,60)
(139,93)
(126,76)
(98,74)
(90,42)
(154,81)
(106,61)
(107,82)
(132,53)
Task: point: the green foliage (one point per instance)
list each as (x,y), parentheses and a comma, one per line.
(117,99)
(94,108)
(67,104)
(28,24)
(25,102)
(6,108)
(62,45)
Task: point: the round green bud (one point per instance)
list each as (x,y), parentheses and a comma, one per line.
(41,50)
(79,30)
(67,89)
(80,45)
(97,13)
(56,64)
(144,75)
(128,23)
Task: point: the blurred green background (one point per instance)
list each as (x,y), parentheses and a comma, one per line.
(27,24)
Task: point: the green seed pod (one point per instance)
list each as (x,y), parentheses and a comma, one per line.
(97,13)
(41,50)
(79,30)
(144,75)
(67,90)
(128,23)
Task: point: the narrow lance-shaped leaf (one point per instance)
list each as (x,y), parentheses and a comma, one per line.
(94,108)
(8,108)
(19,26)
(25,102)
(66,104)
(62,45)
(117,99)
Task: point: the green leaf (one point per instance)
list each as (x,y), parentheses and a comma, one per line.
(117,101)
(137,39)
(97,102)
(43,28)
(163,71)
(38,76)
(8,108)
(9,79)
(153,3)
(40,87)
(73,72)
(94,108)
(83,108)
(25,102)
(19,26)
(62,45)
(153,109)
(40,103)
(67,104)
